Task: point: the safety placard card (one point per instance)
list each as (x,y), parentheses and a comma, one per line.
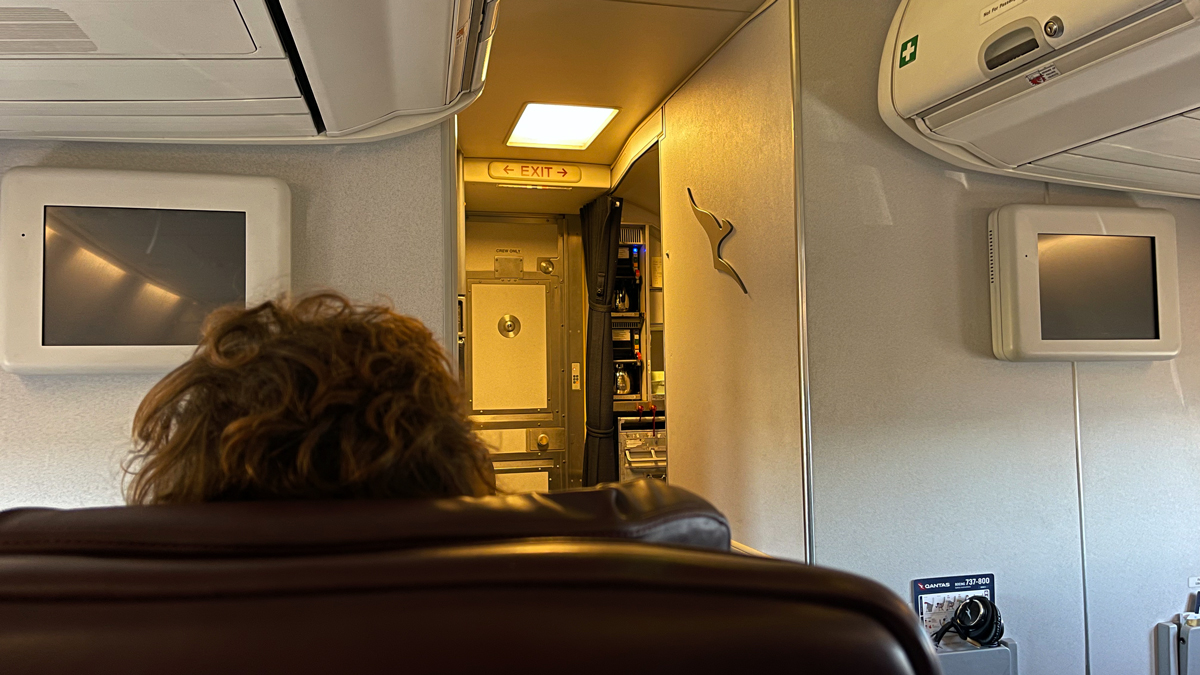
(936,599)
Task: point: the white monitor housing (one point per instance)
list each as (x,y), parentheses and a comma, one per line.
(1072,283)
(114,271)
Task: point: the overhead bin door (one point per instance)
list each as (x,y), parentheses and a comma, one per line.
(146,69)
(157,126)
(947,47)
(1159,157)
(122,28)
(1016,121)
(146,80)
(371,59)
(1173,143)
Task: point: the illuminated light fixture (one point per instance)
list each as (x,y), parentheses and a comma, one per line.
(564,127)
(533,187)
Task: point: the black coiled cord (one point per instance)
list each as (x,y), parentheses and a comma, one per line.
(977,621)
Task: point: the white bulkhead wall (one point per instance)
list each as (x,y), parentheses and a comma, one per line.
(1140,437)
(930,457)
(733,375)
(366,221)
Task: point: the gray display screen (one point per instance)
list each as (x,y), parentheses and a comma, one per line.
(122,276)
(1097,287)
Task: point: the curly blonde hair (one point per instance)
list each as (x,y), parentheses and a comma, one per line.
(307,399)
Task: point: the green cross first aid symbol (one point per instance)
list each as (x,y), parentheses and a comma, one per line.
(908,51)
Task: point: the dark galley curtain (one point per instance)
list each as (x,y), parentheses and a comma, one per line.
(601,222)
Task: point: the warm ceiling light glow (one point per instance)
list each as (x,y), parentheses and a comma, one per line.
(566,127)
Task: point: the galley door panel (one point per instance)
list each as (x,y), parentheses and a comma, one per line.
(508,346)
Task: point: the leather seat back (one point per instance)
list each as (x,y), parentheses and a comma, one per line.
(644,510)
(134,598)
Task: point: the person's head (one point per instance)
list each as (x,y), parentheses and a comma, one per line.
(315,398)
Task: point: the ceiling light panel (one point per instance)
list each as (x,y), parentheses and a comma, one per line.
(564,127)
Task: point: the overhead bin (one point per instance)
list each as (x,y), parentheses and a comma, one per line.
(1094,92)
(961,45)
(1172,144)
(157,127)
(238,71)
(71,81)
(124,28)
(381,58)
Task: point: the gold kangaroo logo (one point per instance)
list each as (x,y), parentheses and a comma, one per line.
(718,231)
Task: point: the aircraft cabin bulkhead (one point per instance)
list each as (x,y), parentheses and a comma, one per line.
(738,334)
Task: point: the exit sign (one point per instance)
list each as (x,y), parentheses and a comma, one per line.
(540,172)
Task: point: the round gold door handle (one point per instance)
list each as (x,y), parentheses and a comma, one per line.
(509,326)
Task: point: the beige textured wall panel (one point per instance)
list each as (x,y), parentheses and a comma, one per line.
(486,241)
(492,198)
(366,220)
(733,382)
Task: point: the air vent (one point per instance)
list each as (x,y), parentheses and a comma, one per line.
(624,323)
(28,30)
(631,235)
(33,14)
(992,255)
(41,30)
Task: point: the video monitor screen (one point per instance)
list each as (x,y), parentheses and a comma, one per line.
(133,276)
(1097,287)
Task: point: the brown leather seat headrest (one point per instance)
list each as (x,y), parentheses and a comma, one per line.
(645,510)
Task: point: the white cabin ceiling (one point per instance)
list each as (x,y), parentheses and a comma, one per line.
(622,53)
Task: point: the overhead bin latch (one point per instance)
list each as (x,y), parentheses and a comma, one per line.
(1014,45)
